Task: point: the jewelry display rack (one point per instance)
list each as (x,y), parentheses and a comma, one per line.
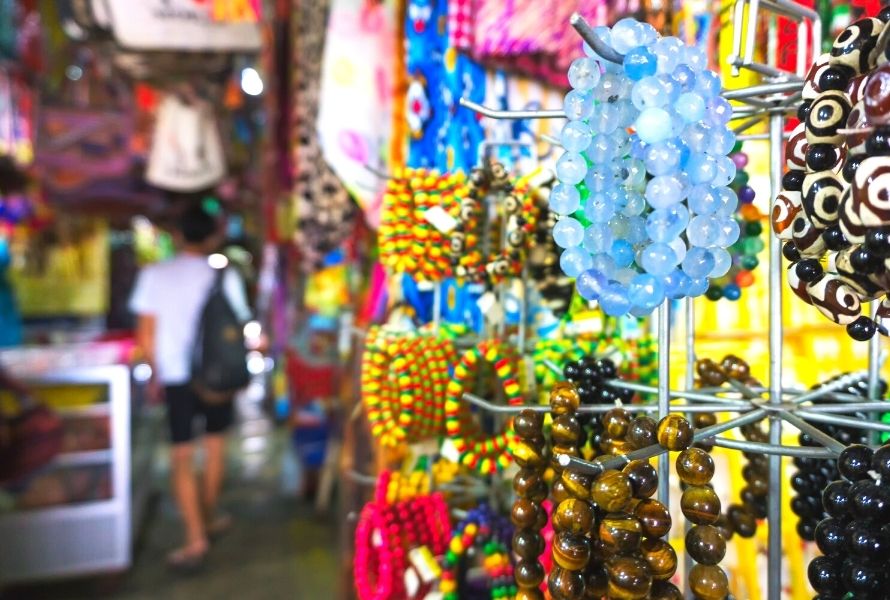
(770,102)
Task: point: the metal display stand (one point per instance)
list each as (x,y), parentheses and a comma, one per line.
(769,102)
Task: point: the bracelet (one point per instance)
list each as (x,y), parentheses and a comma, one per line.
(490,532)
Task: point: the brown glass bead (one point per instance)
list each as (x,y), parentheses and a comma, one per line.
(571,550)
(654,516)
(529,424)
(643,478)
(528,573)
(661,558)
(695,466)
(701,420)
(705,544)
(525,480)
(573,515)
(564,398)
(615,423)
(620,533)
(674,432)
(577,484)
(710,372)
(565,430)
(541,521)
(614,447)
(564,584)
(629,578)
(743,521)
(558,492)
(735,367)
(759,484)
(611,491)
(528,544)
(665,590)
(524,513)
(723,525)
(641,432)
(708,582)
(596,581)
(700,504)
(529,594)
(529,454)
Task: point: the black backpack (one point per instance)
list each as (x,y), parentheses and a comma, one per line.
(219,356)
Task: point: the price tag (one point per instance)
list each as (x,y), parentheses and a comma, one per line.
(449,451)
(412,582)
(425,563)
(491,308)
(440,219)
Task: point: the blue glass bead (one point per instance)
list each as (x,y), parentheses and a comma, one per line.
(619,194)
(671,88)
(732,292)
(576,136)
(619,225)
(598,238)
(729,232)
(666,224)
(690,106)
(640,311)
(726,171)
(624,276)
(708,84)
(679,247)
(568,232)
(664,190)
(722,262)
(622,252)
(698,262)
(564,199)
(571,168)
(584,74)
(695,57)
(600,180)
(685,78)
(613,299)
(605,264)
(662,158)
(636,175)
(703,230)
(697,136)
(626,34)
(639,63)
(573,261)
(637,147)
(668,51)
(578,105)
(729,202)
(627,112)
(722,141)
(701,168)
(635,203)
(600,207)
(645,290)
(675,284)
(719,111)
(590,283)
(697,286)
(636,230)
(704,199)
(647,33)
(658,259)
(605,118)
(601,150)
(653,125)
(649,92)
(610,88)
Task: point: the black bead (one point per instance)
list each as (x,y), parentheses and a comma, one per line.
(793,180)
(809,270)
(851,165)
(806,529)
(806,506)
(884,15)
(834,78)
(571,372)
(854,462)
(802,484)
(878,143)
(865,262)
(824,574)
(803,110)
(821,157)
(880,462)
(878,242)
(606,368)
(836,498)
(862,329)
(834,238)
(831,536)
(867,542)
(790,252)
(863,580)
(870,501)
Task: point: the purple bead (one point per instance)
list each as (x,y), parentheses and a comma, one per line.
(746,194)
(740,159)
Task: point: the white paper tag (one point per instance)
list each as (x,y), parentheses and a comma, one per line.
(449,451)
(486,301)
(440,219)
(412,582)
(426,286)
(423,560)
(437,595)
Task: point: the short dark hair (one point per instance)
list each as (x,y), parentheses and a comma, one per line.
(196,224)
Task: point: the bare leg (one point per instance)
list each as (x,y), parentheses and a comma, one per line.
(214,471)
(185,491)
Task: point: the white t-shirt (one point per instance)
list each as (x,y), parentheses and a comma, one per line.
(174,292)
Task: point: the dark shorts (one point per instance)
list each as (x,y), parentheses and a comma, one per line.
(184,404)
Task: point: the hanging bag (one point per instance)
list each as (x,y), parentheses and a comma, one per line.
(219,356)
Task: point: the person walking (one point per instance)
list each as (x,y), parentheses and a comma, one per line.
(168,300)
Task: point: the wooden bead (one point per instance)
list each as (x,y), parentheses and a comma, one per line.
(641,432)
(695,466)
(528,544)
(571,551)
(629,578)
(529,424)
(564,398)
(525,480)
(524,513)
(705,544)
(616,422)
(528,573)
(700,504)
(620,533)
(611,491)
(564,584)
(654,516)
(643,478)
(674,432)
(708,582)
(664,590)
(529,453)
(573,515)
(661,558)
(576,484)
(558,492)
(565,430)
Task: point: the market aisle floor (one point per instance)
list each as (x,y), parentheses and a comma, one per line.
(279,548)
